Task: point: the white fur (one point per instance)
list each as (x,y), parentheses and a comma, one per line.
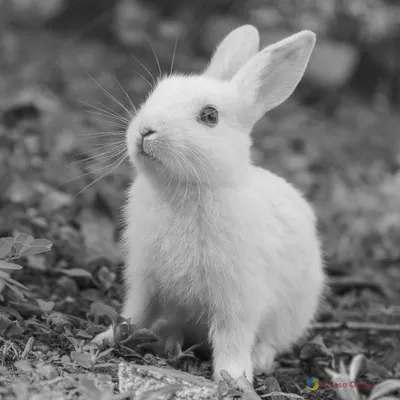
(216,246)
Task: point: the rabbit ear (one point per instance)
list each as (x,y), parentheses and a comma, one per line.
(233,52)
(271,76)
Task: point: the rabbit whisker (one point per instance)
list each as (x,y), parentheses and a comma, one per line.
(117,124)
(107,153)
(126,94)
(155,55)
(107,93)
(95,134)
(114,167)
(147,70)
(174,53)
(106,111)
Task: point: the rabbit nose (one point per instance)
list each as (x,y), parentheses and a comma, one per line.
(144,134)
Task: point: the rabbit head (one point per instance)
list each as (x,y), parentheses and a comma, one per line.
(195,128)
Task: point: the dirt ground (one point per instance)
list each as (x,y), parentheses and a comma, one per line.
(348,166)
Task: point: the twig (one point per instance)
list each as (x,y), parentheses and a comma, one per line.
(348,283)
(28,348)
(356,326)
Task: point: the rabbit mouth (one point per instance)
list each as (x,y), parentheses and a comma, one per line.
(142,152)
(147,155)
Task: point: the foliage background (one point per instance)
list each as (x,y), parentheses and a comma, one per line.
(336,139)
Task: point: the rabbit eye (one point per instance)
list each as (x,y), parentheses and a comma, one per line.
(209,116)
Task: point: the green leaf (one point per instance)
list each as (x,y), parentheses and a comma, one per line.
(24,365)
(34,250)
(5,247)
(15,283)
(15,290)
(384,388)
(15,329)
(24,238)
(17,246)
(84,334)
(5,323)
(8,265)
(77,273)
(45,306)
(11,311)
(65,359)
(99,309)
(104,353)
(41,242)
(82,359)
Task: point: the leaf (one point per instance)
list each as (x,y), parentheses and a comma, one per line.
(15,289)
(57,319)
(100,309)
(24,238)
(45,306)
(161,392)
(15,329)
(384,388)
(84,334)
(24,365)
(16,246)
(42,327)
(41,242)
(355,366)
(47,371)
(65,359)
(289,395)
(8,265)
(5,247)
(88,386)
(10,311)
(34,250)
(15,283)
(77,273)
(104,353)
(5,323)
(24,248)
(82,359)
(315,348)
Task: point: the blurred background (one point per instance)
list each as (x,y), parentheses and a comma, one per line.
(337,138)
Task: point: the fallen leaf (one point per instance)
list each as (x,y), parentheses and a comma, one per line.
(77,273)
(24,365)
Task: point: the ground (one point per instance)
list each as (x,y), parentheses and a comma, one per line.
(348,166)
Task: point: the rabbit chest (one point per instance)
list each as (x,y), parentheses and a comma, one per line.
(189,251)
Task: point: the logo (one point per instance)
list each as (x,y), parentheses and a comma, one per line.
(313,384)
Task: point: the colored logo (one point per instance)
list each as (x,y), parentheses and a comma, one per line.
(313,384)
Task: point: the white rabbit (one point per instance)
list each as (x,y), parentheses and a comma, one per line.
(221,249)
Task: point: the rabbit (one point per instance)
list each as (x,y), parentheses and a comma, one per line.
(227,252)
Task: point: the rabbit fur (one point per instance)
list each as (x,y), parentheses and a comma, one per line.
(226,252)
